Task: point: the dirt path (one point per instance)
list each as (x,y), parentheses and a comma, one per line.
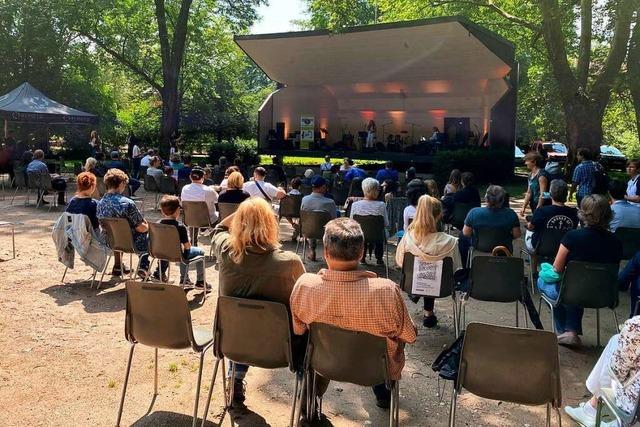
(64,355)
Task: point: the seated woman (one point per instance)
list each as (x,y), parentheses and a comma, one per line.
(91,166)
(618,368)
(423,240)
(234,193)
(454,184)
(223,185)
(591,243)
(371,206)
(251,263)
(415,189)
(432,188)
(114,205)
(155,168)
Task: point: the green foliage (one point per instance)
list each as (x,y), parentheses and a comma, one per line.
(337,14)
(247,150)
(494,165)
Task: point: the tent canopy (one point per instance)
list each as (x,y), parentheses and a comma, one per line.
(28,105)
(407,75)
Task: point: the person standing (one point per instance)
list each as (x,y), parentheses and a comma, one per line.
(633,185)
(538,183)
(135,154)
(584,175)
(95,142)
(326,166)
(371,134)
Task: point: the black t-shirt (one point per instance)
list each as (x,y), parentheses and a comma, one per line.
(233,196)
(553,218)
(85,206)
(592,244)
(467,195)
(182,230)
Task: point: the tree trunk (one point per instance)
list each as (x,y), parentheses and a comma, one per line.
(170,117)
(584,127)
(633,72)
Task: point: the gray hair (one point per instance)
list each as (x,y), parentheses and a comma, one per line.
(89,164)
(343,239)
(559,190)
(595,211)
(370,187)
(495,196)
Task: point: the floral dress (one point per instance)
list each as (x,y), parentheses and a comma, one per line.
(625,365)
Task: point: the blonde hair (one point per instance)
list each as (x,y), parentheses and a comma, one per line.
(254,225)
(90,164)
(428,212)
(235,181)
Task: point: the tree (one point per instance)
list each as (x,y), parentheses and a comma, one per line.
(151,39)
(633,71)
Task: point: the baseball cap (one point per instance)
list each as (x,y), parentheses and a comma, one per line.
(318,181)
(197,173)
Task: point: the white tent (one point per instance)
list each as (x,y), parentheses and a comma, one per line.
(406,76)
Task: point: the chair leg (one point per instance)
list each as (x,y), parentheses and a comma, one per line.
(386,243)
(301,390)
(452,408)
(615,319)
(224,385)
(213,381)
(296,392)
(106,265)
(14,196)
(195,405)
(599,412)
(456,325)
(124,386)
(231,383)
(304,250)
(204,277)
(548,418)
(598,327)
(392,406)
(559,417)
(517,315)
(65,273)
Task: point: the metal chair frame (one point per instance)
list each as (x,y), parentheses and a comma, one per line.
(21,182)
(607,398)
(127,247)
(485,243)
(374,231)
(322,218)
(150,186)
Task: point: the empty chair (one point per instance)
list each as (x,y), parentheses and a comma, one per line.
(374,232)
(545,251)
(196,215)
(290,206)
(355,188)
(164,245)
(254,333)
(305,190)
(158,316)
(348,356)
(312,227)
(630,238)
(119,239)
(495,279)
(226,209)
(150,187)
(20,181)
(46,186)
(587,285)
(447,288)
(33,184)
(167,185)
(493,355)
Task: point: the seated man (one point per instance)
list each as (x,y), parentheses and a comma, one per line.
(198,192)
(57,183)
(116,163)
(556,216)
(625,214)
(347,298)
(388,173)
(317,201)
(353,172)
(259,188)
(184,171)
(495,215)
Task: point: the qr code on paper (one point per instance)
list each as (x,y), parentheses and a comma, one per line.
(427,271)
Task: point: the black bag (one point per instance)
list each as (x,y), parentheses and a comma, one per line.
(600,180)
(448,362)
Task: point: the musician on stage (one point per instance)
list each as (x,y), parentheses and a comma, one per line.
(371,134)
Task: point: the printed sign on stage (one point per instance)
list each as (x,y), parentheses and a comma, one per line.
(307,126)
(426,277)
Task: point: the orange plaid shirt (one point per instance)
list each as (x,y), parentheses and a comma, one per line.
(358,301)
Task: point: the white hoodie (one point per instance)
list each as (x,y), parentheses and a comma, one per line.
(436,246)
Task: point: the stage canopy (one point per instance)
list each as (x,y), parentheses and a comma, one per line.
(27,104)
(407,76)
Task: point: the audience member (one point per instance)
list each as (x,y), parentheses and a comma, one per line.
(371,206)
(169,172)
(234,192)
(326,166)
(556,216)
(584,175)
(82,202)
(155,168)
(146,160)
(388,173)
(308,175)
(185,171)
(317,202)
(423,240)
(347,298)
(37,166)
(389,189)
(346,164)
(259,188)
(415,189)
(176,162)
(198,192)
(633,185)
(354,172)
(629,279)
(432,188)
(295,187)
(454,183)
(617,368)
(625,214)
(227,172)
(538,182)
(410,174)
(114,205)
(252,265)
(591,243)
(170,208)
(91,166)
(207,177)
(469,192)
(116,163)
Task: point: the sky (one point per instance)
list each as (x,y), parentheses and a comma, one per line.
(277,16)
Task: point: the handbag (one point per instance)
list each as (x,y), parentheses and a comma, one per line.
(448,361)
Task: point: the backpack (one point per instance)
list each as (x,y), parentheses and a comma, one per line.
(600,180)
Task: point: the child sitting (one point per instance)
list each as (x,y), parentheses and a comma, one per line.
(170,208)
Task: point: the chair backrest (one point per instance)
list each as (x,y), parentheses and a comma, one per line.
(347,356)
(630,238)
(33,180)
(226,209)
(312,223)
(549,243)
(355,189)
(119,234)
(446,282)
(20,179)
(590,285)
(492,356)
(340,192)
(305,190)
(498,279)
(164,242)
(196,214)
(167,185)
(290,206)
(253,332)
(372,227)
(143,172)
(150,184)
(459,214)
(487,238)
(182,183)
(158,316)
(45,182)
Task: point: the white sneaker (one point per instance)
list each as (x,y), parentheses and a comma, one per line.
(579,415)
